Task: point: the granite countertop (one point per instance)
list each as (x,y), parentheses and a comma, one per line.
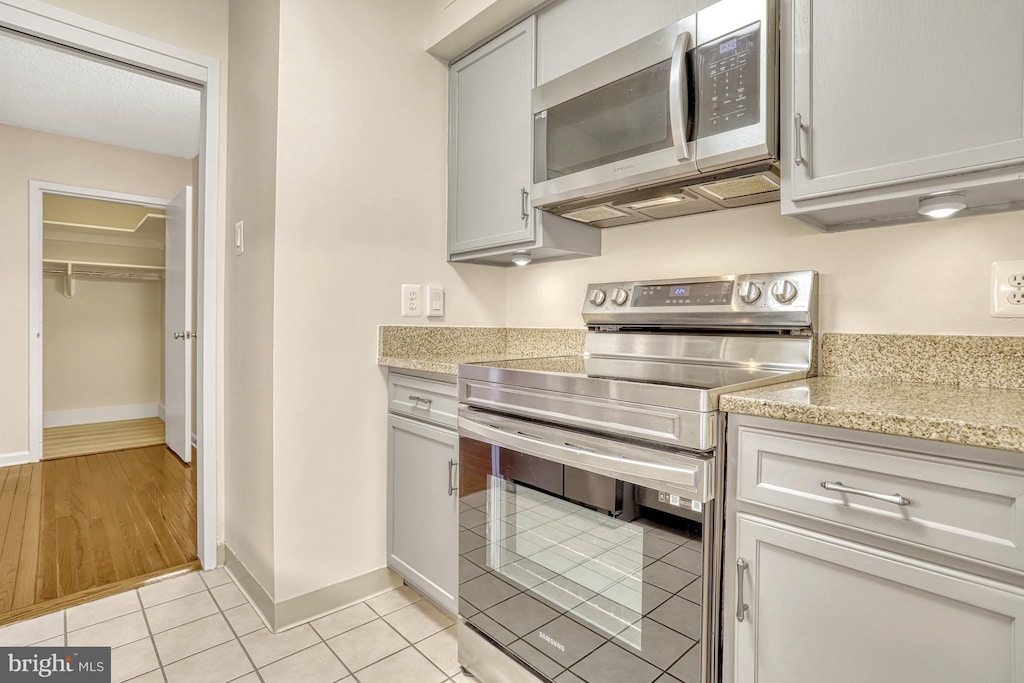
(442,364)
(974,416)
(440,349)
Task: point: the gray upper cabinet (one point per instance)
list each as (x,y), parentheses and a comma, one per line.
(571,33)
(490,218)
(883,97)
(490,143)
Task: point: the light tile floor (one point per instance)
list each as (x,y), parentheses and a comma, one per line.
(199,628)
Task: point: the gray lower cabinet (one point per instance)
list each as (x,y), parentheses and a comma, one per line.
(855,557)
(823,609)
(490,218)
(885,102)
(423,507)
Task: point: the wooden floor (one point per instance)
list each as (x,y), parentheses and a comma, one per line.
(70,528)
(62,442)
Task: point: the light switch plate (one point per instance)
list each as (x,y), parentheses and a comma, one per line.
(1007,289)
(412,301)
(239,238)
(435,301)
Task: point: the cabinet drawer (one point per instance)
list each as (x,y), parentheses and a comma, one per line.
(423,398)
(972,510)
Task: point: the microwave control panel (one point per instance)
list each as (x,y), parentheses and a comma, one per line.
(729,82)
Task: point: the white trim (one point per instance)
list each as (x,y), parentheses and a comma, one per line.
(161,411)
(86,416)
(16,458)
(66,28)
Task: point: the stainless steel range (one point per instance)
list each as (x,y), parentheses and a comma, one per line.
(590,540)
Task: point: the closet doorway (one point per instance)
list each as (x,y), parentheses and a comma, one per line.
(118,367)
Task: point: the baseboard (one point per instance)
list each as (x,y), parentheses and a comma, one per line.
(84,416)
(161,412)
(287,614)
(15,458)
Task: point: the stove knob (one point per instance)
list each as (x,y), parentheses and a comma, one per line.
(749,292)
(784,291)
(597,297)
(619,296)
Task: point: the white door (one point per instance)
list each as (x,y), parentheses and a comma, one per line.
(177,323)
(823,609)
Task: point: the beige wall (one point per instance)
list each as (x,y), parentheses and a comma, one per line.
(31,155)
(102,348)
(927,278)
(362,154)
(249,312)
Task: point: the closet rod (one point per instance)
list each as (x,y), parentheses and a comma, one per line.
(97,273)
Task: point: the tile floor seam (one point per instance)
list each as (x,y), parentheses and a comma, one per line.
(152,640)
(231,628)
(410,643)
(348,672)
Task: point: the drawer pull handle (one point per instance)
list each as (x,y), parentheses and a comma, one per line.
(417,399)
(741,607)
(839,487)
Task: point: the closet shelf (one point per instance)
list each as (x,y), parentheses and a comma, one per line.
(75,269)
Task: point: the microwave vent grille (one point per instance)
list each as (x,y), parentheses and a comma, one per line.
(741,187)
(591,214)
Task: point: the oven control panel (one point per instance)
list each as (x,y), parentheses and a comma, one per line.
(763,299)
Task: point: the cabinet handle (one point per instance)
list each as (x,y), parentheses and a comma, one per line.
(741,607)
(839,487)
(798,131)
(523,204)
(425,401)
(453,467)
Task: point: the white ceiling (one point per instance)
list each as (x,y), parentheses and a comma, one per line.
(49,89)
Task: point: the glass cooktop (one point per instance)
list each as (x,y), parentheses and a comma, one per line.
(648,371)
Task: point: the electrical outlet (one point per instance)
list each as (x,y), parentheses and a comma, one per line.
(412,301)
(239,238)
(1008,289)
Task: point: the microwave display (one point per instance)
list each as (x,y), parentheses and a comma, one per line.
(729,81)
(684,294)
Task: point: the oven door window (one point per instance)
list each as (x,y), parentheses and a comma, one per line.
(566,587)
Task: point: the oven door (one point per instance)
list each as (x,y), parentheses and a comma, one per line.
(582,554)
(620,121)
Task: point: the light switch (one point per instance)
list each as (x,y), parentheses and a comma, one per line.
(239,238)
(435,301)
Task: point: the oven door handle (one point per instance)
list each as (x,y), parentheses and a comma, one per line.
(679,96)
(689,476)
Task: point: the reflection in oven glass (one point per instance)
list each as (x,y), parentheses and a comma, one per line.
(565,587)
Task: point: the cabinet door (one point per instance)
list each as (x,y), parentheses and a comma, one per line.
(490,148)
(423,508)
(823,609)
(889,92)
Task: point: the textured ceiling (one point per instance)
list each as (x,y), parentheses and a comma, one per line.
(48,89)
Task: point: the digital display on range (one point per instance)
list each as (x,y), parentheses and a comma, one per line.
(693,294)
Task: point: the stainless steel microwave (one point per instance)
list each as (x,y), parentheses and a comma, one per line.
(682,121)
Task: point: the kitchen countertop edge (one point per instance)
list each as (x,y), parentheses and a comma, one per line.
(993,418)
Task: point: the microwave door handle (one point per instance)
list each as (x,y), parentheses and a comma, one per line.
(679,96)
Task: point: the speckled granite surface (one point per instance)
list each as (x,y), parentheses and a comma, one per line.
(440,349)
(935,359)
(973,416)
